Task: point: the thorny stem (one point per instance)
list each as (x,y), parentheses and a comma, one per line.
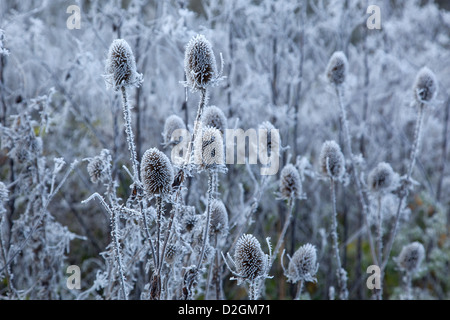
(283,231)
(129,132)
(342,283)
(355,172)
(158,228)
(408,279)
(202,103)
(147,233)
(299,290)
(208,217)
(405,192)
(114,234)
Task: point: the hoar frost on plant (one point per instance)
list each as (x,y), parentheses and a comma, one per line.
(411,257)
(200,64)
(156,172)
(303,265)
(121,66)
(331,160)
(425,86)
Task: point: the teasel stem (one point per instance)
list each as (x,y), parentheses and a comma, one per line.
(129,132)
(159,205)
(355,172)
(147,233)
(201,106)
(114,234)
(299,290)
(405,192)
(208,217)
(210,272)
(342,283)
(285,227)
(408,285)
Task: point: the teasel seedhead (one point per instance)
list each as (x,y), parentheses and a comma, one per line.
(219,218)
(337,68)
(303,264)
(171,253)
(156,173)
(331,159)
(411,257)
(425,86)
(200,64)
(121,66)
(251,262)
(98,167)
(214,117)
(290,183)
(171,124)
(381,179)
(209,149)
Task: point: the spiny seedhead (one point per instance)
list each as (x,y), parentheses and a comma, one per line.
(171,252)
(337,68)
(156,173)
(214,117)
(411,257)
(199,63)
(425,86)
(303,265)
(121,66)
(290,182)
(96,170)
(209,149)
(98,167)
(190,219)
(331,159)
(219,218)
(172,123)
(250,260)
(381,178)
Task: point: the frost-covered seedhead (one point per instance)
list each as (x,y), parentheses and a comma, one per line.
(121,66)
(156,172)
(98,167)
(303,265)
(290,182)
(189,220)
(250,260)
(171,252)
(219,218)
(331,160)
(199,63)
(425,86)
(381,178)
(172,123)
(337,68)
(411,257)
(214,117)
(209,149)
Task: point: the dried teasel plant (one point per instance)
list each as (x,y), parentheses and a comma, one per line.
(302,267)
(251,263)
